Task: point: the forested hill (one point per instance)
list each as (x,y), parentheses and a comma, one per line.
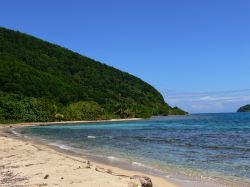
(41,81)
(245,108)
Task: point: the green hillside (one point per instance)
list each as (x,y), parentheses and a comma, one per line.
(41,81)
(245,108)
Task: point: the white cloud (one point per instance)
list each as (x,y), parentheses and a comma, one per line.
(226,101)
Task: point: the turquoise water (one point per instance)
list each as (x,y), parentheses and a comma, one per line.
(203,144)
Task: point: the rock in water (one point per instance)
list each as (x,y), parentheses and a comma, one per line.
(144,180)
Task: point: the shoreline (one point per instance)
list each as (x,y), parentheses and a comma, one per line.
(25,124)
(112,176)
(158,180)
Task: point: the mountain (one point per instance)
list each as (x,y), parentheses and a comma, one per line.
(245,108)
(176,111)
(41,81)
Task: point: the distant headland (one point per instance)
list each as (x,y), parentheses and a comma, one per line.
(245,108)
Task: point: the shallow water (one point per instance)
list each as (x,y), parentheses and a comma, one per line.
(198,147)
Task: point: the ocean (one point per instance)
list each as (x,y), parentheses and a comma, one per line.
(207,149)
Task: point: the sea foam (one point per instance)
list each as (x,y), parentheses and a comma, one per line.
(93,137)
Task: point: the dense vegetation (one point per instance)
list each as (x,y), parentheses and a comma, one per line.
(245,108)
(176,111)
(41,81)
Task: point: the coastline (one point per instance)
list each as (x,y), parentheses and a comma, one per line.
(62,167)
(25,124)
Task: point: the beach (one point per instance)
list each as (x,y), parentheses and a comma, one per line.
(24,162)
(196,150)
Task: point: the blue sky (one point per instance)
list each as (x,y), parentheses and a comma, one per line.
(196,52)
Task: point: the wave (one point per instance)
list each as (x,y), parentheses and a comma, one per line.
(61,146)
(93,137)
(141,165)
(112,158)
(15,132)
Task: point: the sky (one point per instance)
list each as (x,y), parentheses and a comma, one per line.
(195,52)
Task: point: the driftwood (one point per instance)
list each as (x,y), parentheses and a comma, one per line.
(144,180)
(9,178)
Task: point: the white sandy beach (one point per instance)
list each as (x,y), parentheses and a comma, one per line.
(26,163)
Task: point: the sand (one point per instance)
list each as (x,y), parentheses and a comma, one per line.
(68,122)
(24,162)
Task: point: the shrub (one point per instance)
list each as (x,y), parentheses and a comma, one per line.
(84,110)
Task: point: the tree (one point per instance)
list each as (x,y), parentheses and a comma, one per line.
(83,110)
